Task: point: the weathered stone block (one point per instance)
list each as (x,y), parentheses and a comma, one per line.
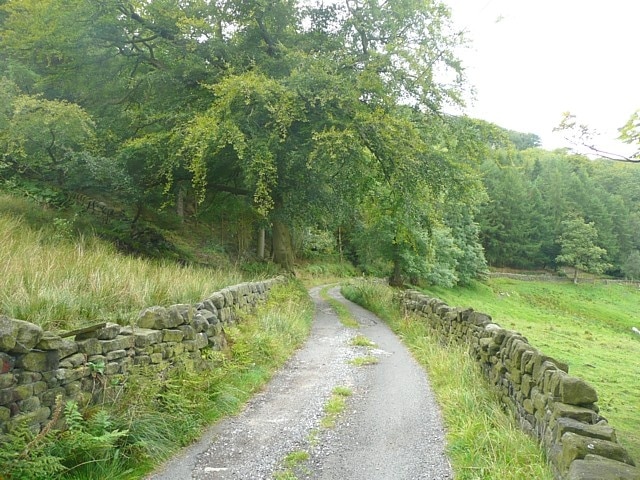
(142,360)
(121,342)
(73,360)
(22,392)
(68,375)
(50,341)
(189,332)
(44,361)
(30,404)
(108,332)
(172,335)
(576,447)
(7,363)
(48,398)
(576,391)
(115,355)
(594,467)
(225,315)
(7,380)
(17,335)
(201,320)
(90,346)
(28,377)
(112,368)
(603,432)
(39,387)
(156,357)
(528,406)
(5,414)
(201,340)
(181,313)
(36,417)
(73,388)
(145,337)
(217,299)
(158,318)
(563,410)
(69,347)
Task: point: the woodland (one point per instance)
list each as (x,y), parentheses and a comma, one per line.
(293,130)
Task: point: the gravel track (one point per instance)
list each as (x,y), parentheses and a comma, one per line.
(390,430)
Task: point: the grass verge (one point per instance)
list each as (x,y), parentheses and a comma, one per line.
(482,441)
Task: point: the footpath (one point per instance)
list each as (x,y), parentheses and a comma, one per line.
(391,428)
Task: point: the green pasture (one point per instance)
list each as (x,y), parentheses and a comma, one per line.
(588,326)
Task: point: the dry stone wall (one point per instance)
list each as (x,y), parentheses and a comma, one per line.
(554,407)
(37,366)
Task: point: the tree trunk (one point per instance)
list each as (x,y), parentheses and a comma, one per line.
(575,276)
(261,241)
(282,246)
(180,204)
(340,243)
(395,280)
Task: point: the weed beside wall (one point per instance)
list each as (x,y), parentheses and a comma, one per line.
(39,369)
(551,405)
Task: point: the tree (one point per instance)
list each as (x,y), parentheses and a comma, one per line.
(579,247)
(42,136)
(631,267)
(582,136)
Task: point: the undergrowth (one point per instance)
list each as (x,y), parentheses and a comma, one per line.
(483,442)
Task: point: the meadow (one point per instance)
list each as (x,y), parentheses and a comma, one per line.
(588,326)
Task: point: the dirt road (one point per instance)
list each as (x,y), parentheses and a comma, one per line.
(390,430)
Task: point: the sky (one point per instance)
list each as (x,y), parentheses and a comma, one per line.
(532,60)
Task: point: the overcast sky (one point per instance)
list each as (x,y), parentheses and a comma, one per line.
(532,60)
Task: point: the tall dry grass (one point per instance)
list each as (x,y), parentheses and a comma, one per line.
(60,283)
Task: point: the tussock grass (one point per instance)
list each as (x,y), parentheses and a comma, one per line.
(59,284)
(362,341)
(588,326)
(482,441)
(363,361)
(335,406)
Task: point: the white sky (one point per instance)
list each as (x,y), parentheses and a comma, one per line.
(532,60)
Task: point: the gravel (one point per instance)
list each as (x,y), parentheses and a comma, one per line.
(391,428)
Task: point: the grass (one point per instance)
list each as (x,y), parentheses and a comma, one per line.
(588,326)
(335,406)
(363,361)
(58,283)
(292,463)
(344,315)
(482,441)
(362,341)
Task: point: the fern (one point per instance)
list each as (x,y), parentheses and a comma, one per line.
(87,440)
(26,456)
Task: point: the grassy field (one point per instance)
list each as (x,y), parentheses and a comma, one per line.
(587,326)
